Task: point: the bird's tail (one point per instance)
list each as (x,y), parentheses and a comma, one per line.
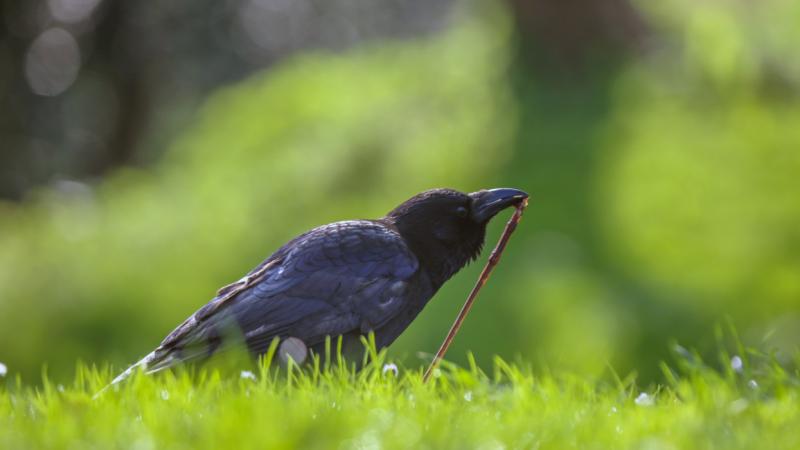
(155,361)
(143,364)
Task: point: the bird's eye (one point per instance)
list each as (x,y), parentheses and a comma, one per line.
(462,211)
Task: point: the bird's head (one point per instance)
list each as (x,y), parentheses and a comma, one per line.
(446,228)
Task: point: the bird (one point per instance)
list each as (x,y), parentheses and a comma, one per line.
(343,280)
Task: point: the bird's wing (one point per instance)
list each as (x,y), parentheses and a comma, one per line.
(342,277)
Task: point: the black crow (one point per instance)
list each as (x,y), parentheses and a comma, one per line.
(344,279)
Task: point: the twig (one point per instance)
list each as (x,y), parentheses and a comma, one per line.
(494,258)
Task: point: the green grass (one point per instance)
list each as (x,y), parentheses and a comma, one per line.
(754,406)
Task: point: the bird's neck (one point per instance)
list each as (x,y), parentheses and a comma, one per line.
(441,261)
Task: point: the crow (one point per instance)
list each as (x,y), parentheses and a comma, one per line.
(342,280)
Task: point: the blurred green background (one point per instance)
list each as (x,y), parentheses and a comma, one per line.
(151,153)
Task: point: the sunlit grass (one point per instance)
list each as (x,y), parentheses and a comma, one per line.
(751,402)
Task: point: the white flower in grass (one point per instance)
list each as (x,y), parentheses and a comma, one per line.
(248,375)
(390,368)
(644,399)
(3,370)
(737,364)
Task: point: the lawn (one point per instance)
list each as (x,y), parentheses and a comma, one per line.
(745,402)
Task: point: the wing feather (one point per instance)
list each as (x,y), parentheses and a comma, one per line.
(336,279)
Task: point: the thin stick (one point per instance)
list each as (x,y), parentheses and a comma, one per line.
(494,258)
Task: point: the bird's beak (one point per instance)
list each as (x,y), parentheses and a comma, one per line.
(485,204)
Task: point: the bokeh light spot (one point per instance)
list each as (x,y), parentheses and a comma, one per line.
(72,11)
(52,62)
